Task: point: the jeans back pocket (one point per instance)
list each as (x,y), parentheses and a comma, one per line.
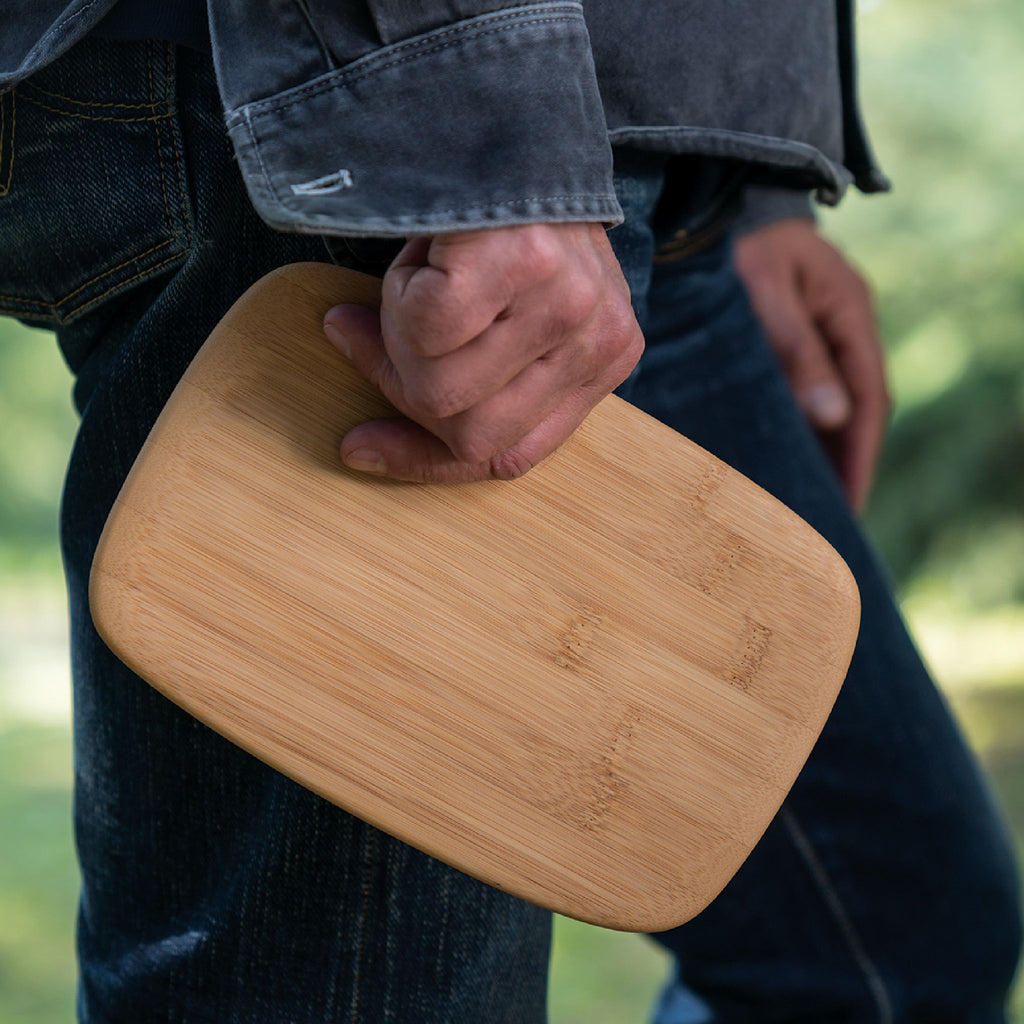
(93,191)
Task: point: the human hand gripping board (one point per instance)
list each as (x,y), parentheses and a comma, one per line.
(591,687)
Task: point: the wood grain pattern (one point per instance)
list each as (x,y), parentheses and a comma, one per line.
(591,687)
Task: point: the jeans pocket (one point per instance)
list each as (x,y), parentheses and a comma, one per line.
(93,192)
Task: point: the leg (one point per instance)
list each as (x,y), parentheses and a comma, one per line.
(886,889)
(213,889)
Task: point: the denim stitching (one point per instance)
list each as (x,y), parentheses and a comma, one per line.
(134,277)
(259,159)
(501,203)
(872,977)
(156,133)
(598,208)
(344,79)
(464,35)
(169,72)
(86,103)
(446,901)
(567,12)
(82,287)
(74,16)
(93,117)
(55,307)
(369,849)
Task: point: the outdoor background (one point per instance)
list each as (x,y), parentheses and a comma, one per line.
(942,91)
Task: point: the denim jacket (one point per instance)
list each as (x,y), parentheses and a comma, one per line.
(396,117)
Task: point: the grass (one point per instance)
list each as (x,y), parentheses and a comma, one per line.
(38,881)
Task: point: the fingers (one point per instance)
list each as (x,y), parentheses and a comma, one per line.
(404,450)
(443,292)
(495,350)
(817,384)
(818,314)
(857,351)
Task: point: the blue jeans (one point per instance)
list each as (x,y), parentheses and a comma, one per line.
(885,889)
(215,891)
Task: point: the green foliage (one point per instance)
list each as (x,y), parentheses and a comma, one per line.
(941,85)
(603,977)
(37,425)
(38,884)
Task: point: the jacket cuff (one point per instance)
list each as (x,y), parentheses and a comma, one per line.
(766,204)
(491,121)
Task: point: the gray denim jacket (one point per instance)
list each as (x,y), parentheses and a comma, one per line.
(396,117)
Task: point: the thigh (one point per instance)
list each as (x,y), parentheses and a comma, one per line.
(213,889)
(886,888)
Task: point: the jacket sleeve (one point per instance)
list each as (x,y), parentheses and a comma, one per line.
(400,117)
(766,204)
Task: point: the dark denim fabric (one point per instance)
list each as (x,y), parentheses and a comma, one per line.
(387,117)
(885,890)
(215,891)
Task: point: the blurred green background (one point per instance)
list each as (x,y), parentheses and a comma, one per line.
(942,89)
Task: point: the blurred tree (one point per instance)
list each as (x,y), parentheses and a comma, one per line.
(942,83)
(37,424)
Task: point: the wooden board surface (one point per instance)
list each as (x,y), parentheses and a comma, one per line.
(591,687)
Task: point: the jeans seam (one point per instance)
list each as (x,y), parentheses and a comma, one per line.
(834,904)
(69,18)
(5,186)
(179,163)
(159,148)
(369,849)
(94,117)
(101,104)
(70,295)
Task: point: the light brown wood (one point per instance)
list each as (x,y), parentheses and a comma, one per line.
(591,687)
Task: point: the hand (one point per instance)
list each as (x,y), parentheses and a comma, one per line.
(817,312)
(495,344)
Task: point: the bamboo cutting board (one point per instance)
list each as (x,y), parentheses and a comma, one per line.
(591,687)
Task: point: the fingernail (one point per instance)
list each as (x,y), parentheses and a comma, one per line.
(335,334)
(366,460)
(827,405)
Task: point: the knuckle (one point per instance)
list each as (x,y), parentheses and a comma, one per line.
(578,303)
(427,315)
(631,354)
(619,337)
(540,251)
